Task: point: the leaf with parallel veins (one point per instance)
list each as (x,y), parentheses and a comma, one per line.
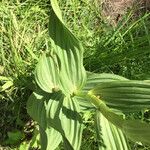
(37,107)
(108,135)
(127,96)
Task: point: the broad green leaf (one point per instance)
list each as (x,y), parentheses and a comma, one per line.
(84,104)
(56,9)
(109,136)
(65,65)
(35,108)
(71,122)
(66,119)
(134,129)
(126,95)
(46,73)
(137,130)
(38,110)
(69,51)
(50,138)
(67,144)
(58,117)
(93,79)
(110,115)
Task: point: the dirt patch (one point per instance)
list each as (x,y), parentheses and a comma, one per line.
(113,10)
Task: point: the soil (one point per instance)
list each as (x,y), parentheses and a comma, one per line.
(113,10)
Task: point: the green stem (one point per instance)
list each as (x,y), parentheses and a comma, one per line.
(95,100)
(103,108)
(92,98)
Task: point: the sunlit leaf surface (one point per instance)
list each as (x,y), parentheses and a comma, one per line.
(126,95)
(108,135)
(65,65)
(136,130)
(38,109)
(58,117)
(94,79)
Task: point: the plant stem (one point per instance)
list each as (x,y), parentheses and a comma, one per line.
(92,98)
(114,118)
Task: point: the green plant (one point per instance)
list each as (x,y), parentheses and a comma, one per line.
(65,90)
(21,26)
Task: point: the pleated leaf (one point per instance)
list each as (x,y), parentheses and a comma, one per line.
(134,129)
(109,136)
(69,51)
(38,110)
(63,115)
(47,73)
(137,131)
(126,95)
(58,117)
(84,104)
(56,9)
(50,138)
(71,122)
(94,79)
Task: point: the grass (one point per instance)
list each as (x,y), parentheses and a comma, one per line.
(24,36)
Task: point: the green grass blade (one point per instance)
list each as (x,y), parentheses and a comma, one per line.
(7,85)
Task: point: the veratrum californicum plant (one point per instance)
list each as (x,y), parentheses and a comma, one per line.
(65,90)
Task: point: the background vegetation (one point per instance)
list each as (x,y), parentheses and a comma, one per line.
(24,36)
